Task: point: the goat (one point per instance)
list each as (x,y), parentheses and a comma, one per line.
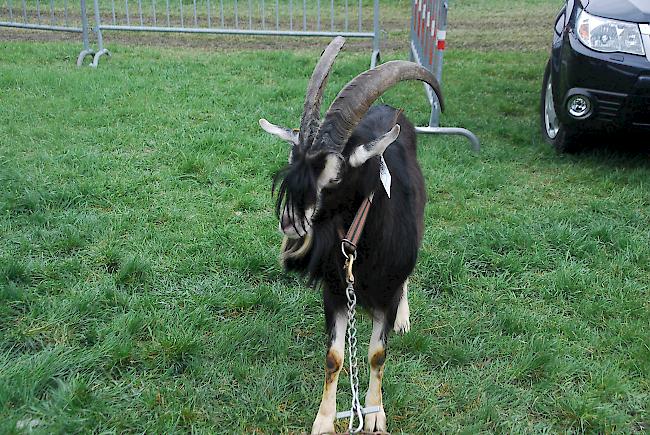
(333,166)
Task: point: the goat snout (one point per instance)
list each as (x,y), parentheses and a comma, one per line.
(295,226)
(285,221)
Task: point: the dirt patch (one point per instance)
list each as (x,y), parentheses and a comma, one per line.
(527,29)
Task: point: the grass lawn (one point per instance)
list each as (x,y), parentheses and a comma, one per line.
(139,284)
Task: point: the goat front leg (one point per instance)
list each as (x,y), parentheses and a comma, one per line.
(376,421)
(324,422)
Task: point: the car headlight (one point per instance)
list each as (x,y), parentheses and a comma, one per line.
(606,35)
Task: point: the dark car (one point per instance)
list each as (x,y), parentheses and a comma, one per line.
(598,77)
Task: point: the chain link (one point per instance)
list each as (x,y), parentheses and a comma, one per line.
(352,350)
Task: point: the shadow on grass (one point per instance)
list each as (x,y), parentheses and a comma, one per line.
(623,151)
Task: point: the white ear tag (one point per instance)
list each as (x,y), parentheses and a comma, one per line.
(384,175)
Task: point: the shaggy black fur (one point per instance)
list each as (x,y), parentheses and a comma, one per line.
(387,250)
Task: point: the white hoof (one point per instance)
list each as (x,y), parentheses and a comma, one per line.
(323,424)
(375,422)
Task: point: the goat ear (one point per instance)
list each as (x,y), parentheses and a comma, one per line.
(331,174)
(283,133)
(375,148)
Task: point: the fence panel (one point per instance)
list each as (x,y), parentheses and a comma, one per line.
(299,18)
(428,43)
(350,18)
(48,15)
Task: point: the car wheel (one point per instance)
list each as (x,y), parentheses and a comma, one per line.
(563,138)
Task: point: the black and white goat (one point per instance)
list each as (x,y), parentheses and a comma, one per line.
(333,166)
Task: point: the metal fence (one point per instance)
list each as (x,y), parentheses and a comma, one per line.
(248,17)
(53,15)
(298,18)
(428,43)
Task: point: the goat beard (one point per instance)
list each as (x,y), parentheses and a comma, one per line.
(293,249)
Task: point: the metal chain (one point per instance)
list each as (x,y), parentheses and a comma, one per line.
(352,348)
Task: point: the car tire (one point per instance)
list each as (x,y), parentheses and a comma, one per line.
(563,138)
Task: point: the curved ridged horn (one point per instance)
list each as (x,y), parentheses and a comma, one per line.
(354,100)
(310,121)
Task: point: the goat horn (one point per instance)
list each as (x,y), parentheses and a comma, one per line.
(310,121)
(354,100)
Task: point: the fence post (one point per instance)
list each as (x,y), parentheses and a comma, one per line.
(100,41)
(87,51)
(428,36)
(26,17)
(376,38)
(439,35)
(256,15)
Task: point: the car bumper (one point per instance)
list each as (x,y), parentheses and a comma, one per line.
(617,85)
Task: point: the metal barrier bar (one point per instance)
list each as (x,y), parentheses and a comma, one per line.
(474,141)
(304,20)
(297,20)
(50,16)
(374,60)
(98,32)
(428,43)
(332,15)
(87,51)
(360,15)
(235,31)
(236,14)
(40,27)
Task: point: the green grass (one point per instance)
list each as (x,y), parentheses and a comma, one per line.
(139,283)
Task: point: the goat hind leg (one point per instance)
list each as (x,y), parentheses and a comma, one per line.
(376,421)
(324,422)
(402,323)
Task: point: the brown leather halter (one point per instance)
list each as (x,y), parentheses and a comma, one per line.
(350,240)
